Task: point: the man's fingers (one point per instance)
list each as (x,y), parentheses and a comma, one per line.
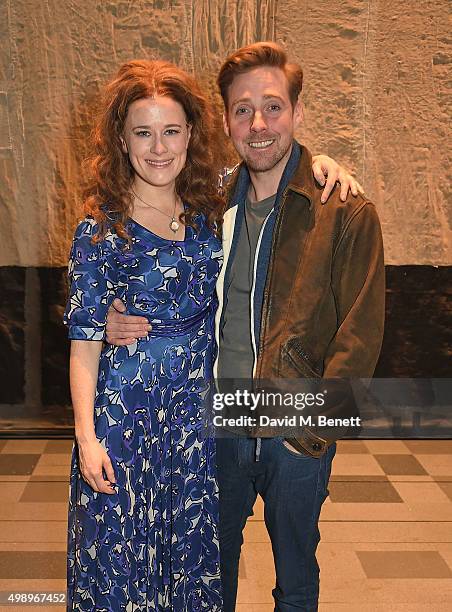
(318,173)
(120,341)
(330,182)
(122,335)
(120,319)
(344,190)
(359,187)
(118,305)
(127,327)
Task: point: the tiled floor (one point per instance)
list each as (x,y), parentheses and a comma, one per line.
(386,528)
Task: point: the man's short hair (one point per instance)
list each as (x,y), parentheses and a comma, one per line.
(257,55)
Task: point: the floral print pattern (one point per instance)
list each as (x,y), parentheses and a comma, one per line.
(153,544)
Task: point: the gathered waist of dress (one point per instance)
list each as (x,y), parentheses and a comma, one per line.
(176,327)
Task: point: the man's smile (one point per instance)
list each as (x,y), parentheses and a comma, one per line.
(261,144)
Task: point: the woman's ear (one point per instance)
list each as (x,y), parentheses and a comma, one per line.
(226,124)
(189,128)
(123,145)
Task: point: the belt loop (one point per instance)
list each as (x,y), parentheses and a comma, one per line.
(258,448)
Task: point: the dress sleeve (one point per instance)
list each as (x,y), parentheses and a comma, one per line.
(93,279)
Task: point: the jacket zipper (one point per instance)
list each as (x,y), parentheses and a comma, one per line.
(270,264)
(253,289)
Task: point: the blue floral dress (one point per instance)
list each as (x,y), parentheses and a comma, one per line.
(153,545)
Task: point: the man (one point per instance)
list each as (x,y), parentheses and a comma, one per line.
(301,294)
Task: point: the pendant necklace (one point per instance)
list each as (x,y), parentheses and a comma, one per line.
(174,225)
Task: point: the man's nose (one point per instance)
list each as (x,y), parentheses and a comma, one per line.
(258,124)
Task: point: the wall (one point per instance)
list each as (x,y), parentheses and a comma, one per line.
(377,98)
(377,80)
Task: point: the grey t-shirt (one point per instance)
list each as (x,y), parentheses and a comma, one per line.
(235,356)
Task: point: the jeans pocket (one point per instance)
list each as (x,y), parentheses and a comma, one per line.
(326,471)
(292,451)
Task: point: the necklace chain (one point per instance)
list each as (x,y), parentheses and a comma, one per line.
(173,224)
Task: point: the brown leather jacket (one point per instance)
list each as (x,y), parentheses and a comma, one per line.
(323,300)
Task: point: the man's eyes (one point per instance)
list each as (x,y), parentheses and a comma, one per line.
(273,108)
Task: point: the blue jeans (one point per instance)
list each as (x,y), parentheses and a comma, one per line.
(293,487)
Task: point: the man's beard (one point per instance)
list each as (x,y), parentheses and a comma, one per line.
(266,163)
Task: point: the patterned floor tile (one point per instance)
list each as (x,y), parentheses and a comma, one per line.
(421,492)
(24,447)
(375,531)
(400,464)
(392,447)
(363,492)
(436,464)
(415,512)
(357,478)
(46,492)
(429,447)
(33,511)
(15,464)
(52,459)
(49,532)
(59,447)
(256,532)
(446,487)
(351,447)
(404,564)
(386,536)
(352,465)
(12,491)
(373,607)
(49,478)
(260,575)
(62,471)
(32,564)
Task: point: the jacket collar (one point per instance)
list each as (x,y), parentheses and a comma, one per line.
(302,180)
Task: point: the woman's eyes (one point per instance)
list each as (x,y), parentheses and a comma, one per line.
(147,134)
(171,131)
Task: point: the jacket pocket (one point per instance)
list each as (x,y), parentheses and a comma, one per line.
(295,361)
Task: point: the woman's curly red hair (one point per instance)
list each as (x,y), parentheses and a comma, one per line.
(110,174)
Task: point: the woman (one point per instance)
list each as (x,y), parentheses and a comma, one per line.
(148,534)
(143,499)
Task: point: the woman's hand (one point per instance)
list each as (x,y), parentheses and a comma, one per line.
(323,166)
(92,458)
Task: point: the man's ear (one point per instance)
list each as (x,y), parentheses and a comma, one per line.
(123,145)
(298,116)
(225,124)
